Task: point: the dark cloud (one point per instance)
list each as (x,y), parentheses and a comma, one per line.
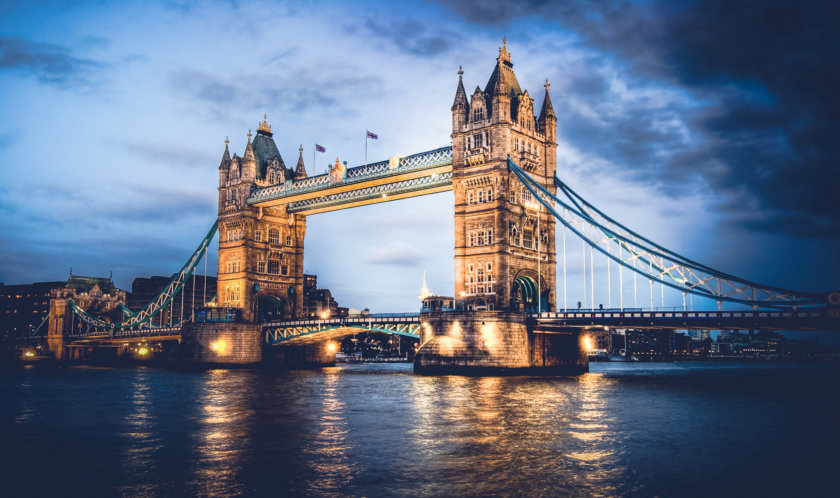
(411,36)
(764,74)
(49,63)
(302,91)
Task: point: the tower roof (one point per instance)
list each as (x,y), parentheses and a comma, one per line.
(503,80)
(265,149)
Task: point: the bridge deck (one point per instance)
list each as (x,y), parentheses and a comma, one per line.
(398,178)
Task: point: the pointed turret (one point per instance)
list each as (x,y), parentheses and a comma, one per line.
(548,120)
(249,161)
(460,93)
(225,164)
(300,169)
(547,109)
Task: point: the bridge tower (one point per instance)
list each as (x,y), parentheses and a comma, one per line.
(500,229)
(260,249)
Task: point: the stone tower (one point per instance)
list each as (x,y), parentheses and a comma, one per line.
(260,249)
(499,229)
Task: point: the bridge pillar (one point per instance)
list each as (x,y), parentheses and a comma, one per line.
(491,342)
(220,343)
(58,326)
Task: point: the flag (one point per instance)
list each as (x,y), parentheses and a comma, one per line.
(320,148)
(372,135)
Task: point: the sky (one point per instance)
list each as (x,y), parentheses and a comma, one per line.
(710,127)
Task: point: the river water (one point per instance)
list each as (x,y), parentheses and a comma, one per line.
(625,429)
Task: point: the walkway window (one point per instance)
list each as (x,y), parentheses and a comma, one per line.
(273,236)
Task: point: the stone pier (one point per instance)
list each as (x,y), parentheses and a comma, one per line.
(210,343)
(494,343)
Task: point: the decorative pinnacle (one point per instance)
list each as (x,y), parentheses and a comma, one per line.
(300,149)
(503,53)
(264,125)
(226,141)
(460,72)
(547,84)
(249,135)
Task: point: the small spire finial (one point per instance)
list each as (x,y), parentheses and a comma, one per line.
(264,126)
(460,72)
(249,135)
(227,142)
(547,84)
(504,42)
(300,148)
(503,53)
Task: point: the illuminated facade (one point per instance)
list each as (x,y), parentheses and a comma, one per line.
(260,248)
(498,236)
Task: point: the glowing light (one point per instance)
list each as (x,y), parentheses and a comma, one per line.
(587,343)
(29,354)
(325,314)
(220,346)
(332,347)
(143,351)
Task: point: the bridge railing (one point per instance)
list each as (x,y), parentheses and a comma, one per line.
(811,313)
(373,317)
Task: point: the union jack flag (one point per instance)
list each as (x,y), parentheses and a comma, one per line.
(372,135)
(320,148)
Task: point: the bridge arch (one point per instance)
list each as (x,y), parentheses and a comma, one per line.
(270,307)
(524,293)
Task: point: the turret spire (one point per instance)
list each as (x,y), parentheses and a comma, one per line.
(300,169)
(547,110)
(225,156)
(460,93)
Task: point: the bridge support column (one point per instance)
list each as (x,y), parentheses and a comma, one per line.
(301,357)
(220,343)
(494,343)
(58,327)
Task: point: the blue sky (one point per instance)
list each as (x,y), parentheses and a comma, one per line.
(709,127)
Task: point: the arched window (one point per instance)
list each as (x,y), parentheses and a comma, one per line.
(478,113)
(480,196)
(490,194)
(273,236)
(470,197)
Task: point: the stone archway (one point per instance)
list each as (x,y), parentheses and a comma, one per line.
(269,308)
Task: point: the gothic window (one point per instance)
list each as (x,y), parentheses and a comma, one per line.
(258,236)
(273,266)
(490,195)
(525,197)
(261,267)
(273,236)
(477,141)
(489,238)
(527,238)
(471,239)
(481,238)
(489,267)
(470,197)
(515,144)
(480,196)
(513,196)
(478,113)
(514,234)
(471,268)
(288,240)
(284,270)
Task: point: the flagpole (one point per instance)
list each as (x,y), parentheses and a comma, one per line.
(366,139)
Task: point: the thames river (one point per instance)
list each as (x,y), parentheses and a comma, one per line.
(625,429)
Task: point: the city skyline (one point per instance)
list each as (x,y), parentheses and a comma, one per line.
(128,107)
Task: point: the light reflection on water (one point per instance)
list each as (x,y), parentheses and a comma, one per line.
(374,430)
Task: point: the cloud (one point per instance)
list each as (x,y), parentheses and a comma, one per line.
(395,254)
(303,92)
(49,63)
(763,79)
(176,155)
(412,37)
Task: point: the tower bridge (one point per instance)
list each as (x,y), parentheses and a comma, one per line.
(508,199)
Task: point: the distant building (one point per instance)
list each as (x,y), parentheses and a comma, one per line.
(318,303)
(23,307)
(438,303)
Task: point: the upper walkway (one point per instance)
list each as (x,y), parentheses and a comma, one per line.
(397,178)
